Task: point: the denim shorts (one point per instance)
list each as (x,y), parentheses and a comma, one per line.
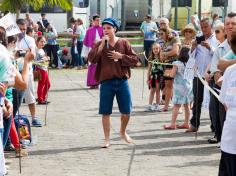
(111,88)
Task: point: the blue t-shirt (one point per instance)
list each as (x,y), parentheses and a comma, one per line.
(147,29)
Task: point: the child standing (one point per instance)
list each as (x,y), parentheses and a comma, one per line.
(154,76)
(182,91)
(44,82)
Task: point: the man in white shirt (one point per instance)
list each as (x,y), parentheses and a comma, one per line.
(204,53)
(27,43)
(228,141)
(222,49)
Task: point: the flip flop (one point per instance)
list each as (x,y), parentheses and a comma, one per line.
(169,127)
(106,146)
(183,126)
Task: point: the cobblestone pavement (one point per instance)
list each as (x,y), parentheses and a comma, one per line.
(70,143)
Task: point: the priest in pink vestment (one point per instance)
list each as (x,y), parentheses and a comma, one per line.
(93,35)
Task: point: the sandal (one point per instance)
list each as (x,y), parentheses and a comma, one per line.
(169,127)
(183,126)
(164,110)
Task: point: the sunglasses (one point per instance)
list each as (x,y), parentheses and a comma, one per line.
(217,31)
(189,31)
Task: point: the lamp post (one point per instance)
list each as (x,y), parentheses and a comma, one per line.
(188,9)
(225,9)
(199,9)
(123,23)
(176,14)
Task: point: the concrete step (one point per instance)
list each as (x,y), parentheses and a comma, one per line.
(137,48)
(62,40)
(119,33)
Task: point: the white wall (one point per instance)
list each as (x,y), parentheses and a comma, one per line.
(231,6)
(59,20)
(160,8)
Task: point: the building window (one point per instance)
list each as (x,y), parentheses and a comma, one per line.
(182,3)
(219,3)
(81,3)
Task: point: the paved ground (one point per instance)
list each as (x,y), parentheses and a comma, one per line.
(70,143)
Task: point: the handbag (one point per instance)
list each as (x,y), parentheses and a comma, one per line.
(167,72)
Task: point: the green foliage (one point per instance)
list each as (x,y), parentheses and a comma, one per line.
(14,5)
(64,4)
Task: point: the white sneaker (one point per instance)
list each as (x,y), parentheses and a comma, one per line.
(148,108)
(155,107)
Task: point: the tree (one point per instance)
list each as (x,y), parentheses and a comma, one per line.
(14,6)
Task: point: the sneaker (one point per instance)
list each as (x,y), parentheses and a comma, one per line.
(9,148)
(149,108)
(43,102)
(36,123)
(25,143)
(155,107)
(212,140)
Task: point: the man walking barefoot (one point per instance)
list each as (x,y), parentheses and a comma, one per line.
(113,57)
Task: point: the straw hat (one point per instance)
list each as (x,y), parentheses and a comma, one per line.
(189,27)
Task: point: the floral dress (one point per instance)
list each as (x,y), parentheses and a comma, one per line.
(182,88)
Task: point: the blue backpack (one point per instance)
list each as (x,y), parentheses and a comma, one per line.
(22,122)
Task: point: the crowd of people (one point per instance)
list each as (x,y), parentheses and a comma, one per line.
(211,44)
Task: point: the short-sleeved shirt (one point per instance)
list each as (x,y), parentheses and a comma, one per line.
(51,40)
(230,55)
(168,46)
(147,27)
(40,54)
(24,44)
(5,64)
(81,32)
(228,97)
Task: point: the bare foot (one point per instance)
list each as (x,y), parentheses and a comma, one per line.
(106,145)
(126,137)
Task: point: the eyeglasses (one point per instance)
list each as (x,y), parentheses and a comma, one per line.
(217,31)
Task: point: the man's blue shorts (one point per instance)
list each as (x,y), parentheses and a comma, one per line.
(111,88)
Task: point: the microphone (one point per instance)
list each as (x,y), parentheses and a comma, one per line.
(106,43)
